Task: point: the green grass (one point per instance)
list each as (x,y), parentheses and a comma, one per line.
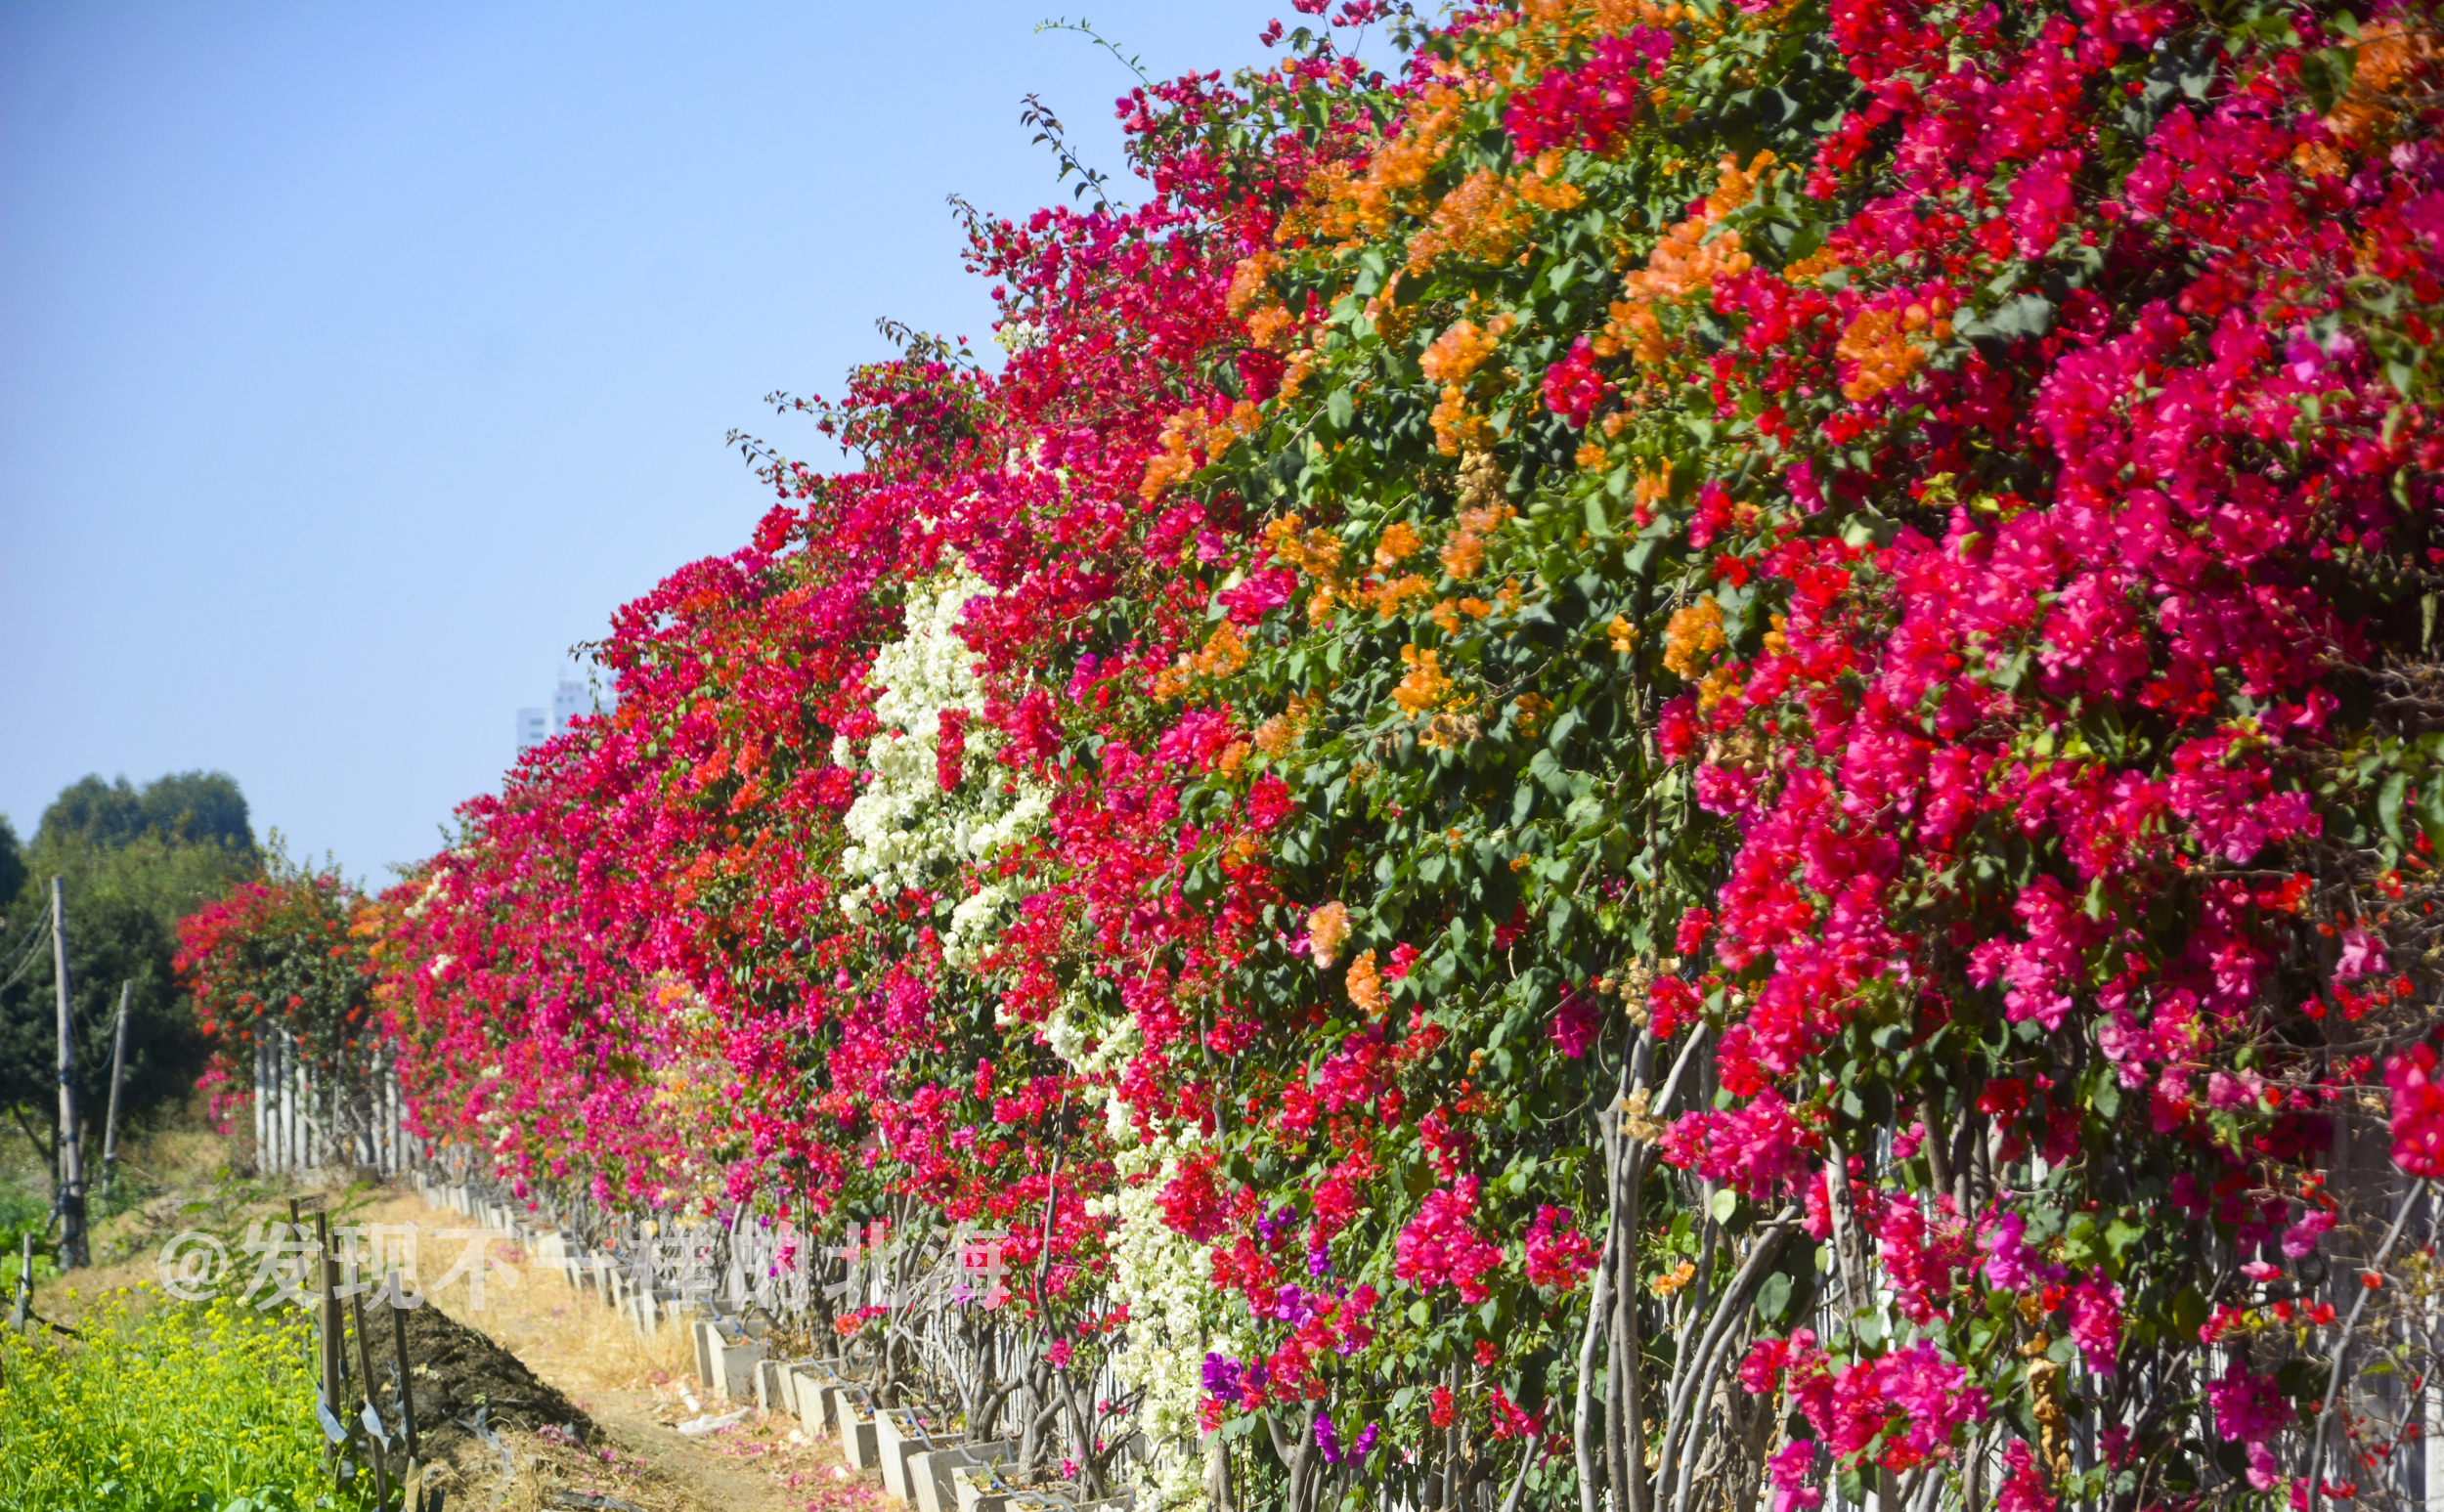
(22,1213)
(164,1407)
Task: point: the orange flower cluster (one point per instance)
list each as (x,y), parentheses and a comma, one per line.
(1557,25)
(1583,17)
(1223,653)
(1294,376)
(1276,736)
(1483,220)
(2387,58)
(1390,597)
(1399,544)
(1455,428)
(1879,342)
(1341,203)
(1671,1280)
(1424,687)
(1250,282)
(1464,349)
(1684,262)
(1327,929)
(1692,635)
(1190,432)
(1652,489)
(1316,552)
(1465,552)
(1366,986)
(1542,187)
(1447,613)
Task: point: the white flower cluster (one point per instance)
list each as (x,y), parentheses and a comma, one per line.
(1016,336)
(903,829)
(1159,1274)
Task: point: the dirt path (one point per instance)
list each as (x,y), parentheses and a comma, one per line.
(636,1390)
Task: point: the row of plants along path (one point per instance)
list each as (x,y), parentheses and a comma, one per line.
(1654,754)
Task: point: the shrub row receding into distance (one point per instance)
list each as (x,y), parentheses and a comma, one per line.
(1690,759)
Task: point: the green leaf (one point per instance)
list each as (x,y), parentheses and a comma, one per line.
(1773,1298)
(2079,1240)
(2105,1098)
(2189,1312)
(2301,1379)
(1599,525)
(2431,811)
(2030,315)
(2120,1235)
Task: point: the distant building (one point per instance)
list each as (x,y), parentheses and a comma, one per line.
(571,701)
(568,701)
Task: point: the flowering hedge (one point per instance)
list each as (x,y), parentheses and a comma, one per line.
(1693,755)
(279,954)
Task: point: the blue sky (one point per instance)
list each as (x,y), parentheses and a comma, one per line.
(357,360)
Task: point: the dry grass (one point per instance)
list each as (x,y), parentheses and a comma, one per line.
(564,1335)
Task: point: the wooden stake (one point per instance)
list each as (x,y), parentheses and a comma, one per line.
(72,1170)
(327,1309)
(399,1347)
(365,1362)
(118,1061)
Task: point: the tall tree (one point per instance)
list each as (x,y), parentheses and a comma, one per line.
(132,862)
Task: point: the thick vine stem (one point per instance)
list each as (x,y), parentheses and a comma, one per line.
(1697,1376)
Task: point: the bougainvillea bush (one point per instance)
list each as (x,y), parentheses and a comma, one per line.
(281,955)
(1684,756)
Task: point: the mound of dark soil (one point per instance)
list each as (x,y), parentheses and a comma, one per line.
(452,1371)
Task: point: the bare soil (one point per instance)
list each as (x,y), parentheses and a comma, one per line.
(605,1422)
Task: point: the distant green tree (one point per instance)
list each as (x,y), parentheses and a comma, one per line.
(12,864)
(131,862)
(193,806)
